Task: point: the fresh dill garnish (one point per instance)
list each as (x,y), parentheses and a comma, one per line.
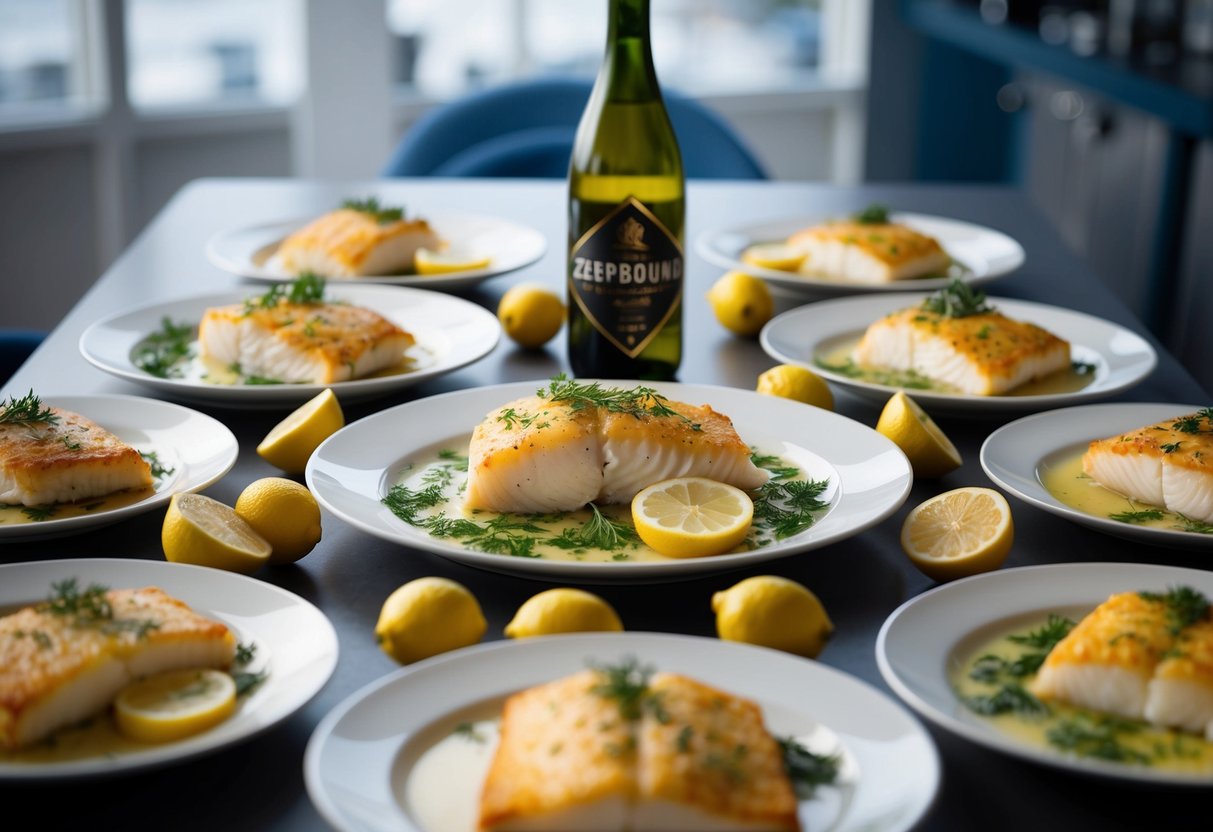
(245,653)
(1136,516)
(1185,606)
(371,206)
(775,465)
(468,731)
(984,332)
(511,416)
(245,681)
(599,532)
(627,683)
(1187,524)
(161,352)
(1098,737)
(909,379)
(730,764)
(90,607)
(874,214)
(787,508)
(639,401)
(1010,698)
(408,504)
(806,769)
(42,640)
(260,380)
(38,514)
(1082,368)
(307,288)
(504,535)
(1048,635)
(458,460)
(158,468)
(957,300)
(683,742)
(27,410)
(69,444)
(1191,424)
(1170,447)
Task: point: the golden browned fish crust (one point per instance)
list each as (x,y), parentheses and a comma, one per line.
(347,241)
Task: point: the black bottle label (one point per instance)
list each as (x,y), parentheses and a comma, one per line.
(626,276)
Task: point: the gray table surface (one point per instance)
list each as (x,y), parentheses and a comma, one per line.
(259,784)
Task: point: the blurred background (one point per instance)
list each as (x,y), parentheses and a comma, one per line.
(1102,110)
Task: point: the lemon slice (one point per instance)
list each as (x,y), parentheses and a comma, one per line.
(290,443)
(773,612)
(778,256)
(174,705)
(691,517)
(428,616)
(427,261)
(929,450)
(563,610)
(201,530)
(959,533)
(283,512)
(791,381)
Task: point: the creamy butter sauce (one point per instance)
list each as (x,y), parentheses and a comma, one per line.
(835,355)
(205,370)
(1164,750)
(443,788)
(431,469)
(1062,475)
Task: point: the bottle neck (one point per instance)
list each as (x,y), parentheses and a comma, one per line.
(627,68)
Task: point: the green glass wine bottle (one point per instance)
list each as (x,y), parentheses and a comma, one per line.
(627,209)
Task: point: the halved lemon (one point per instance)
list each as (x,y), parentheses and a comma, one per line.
(203,531)
(175,704)
(928,448)
(427,261)
(290,443)
(778,256)
(962,532)
(692,517)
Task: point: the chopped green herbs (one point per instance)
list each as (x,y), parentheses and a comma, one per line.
(957,300)
(162,352)
(1047,636)
(1136,516)
(307,288)
(370,206)
(1170,447)
(1010,698)
(908,379)
(1098,737)
(786,508)
(514,418)
(599,532)
(1187,524)
(874,214)
(1185,606)
(468,731)
(27,410)
(1082,368)
(806,769)
(627,683)
(90,607)
(38,514)
(638,401)
(158,469)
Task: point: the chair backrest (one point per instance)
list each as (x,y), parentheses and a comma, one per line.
(526,129)
(16,345)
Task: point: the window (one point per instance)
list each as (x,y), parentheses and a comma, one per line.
(189,52)
(42,49)
(703,46)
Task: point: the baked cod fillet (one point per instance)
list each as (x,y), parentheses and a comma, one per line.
(573,757)
(353,243)
(868,252)
(58,668)
(71,458)
(984,354)
(537,455)
(1168,464)
(1181,693)
(317,343)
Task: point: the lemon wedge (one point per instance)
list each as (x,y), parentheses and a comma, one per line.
(563,610)
(174,705)
(428,616)
(791,381)
(429,262)
(929,450)
(962,532)
(531,314)
(290,443)
(778,256)
(201,530)
(283,512)
(775,612)
(742,303)
(691,517)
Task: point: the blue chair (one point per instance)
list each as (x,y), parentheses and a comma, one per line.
(16,345)
(526,129)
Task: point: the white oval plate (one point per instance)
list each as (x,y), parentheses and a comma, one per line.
(199,449)
(296,645)
(1012,457)
(926,637)
(451,333)
(361,753)
(983,254)
(250,251)
(1122,358)
(869,476)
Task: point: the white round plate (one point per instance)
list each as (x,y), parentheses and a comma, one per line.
(295,644)
(199,449)
(451,333)
(981,254)
(927,637)
(250,252)
(361,754)
(807,333)
(869,476)
(1013,455)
